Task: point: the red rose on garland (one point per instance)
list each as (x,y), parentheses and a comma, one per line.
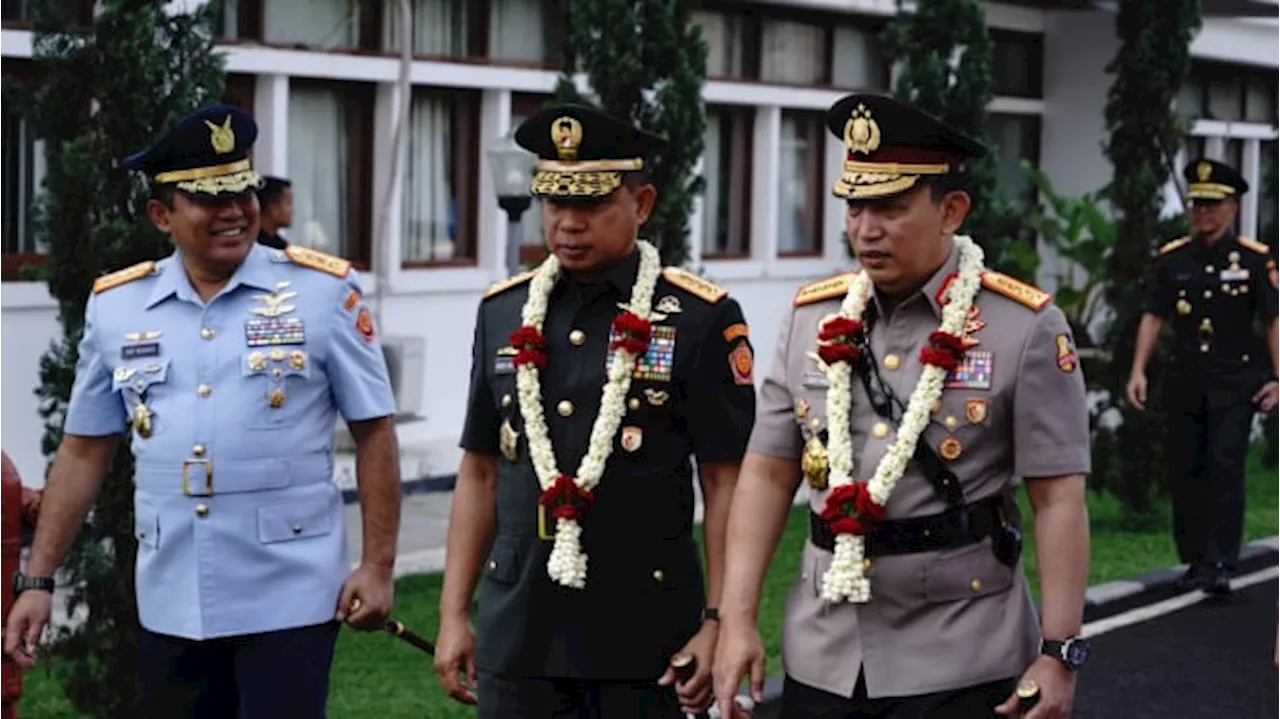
(631,334)
(945,350)
(566,499)
(530,346)
(850,509)
(839,340)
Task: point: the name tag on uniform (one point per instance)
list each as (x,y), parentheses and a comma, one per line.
(143,349)
(973,372)
(815,380)
(1234,275)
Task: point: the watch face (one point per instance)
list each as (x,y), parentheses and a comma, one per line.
(1076,652)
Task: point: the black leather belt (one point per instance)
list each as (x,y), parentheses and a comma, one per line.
(948,530)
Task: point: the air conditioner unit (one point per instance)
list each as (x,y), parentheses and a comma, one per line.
(406,366)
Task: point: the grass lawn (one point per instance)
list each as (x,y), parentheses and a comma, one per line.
(376,676)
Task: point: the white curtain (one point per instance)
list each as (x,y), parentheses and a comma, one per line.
(724,35)
(856,60)
(793,184)
(792,52)
(713,198)
(517,30)
(318,168)
(430,208)
(318,23)
(439,27)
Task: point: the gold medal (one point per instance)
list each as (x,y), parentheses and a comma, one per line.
(815,464)
(276,398)
(1184,307)
(508,441)
(297,360)
(950,448)
(142,420)
(257,361)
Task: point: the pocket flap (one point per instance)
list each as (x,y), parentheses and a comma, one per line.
(138,376)
(965,573)
(146,525)
(502,565)
(286,522)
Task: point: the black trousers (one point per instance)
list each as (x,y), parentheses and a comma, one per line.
(255,676)
(549,698)
(800,701)
(1206,449)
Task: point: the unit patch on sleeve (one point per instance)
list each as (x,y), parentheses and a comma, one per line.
(1067,358)
(742,363)
(364,324)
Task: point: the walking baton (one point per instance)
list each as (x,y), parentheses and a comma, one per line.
(400,630)
(685,666)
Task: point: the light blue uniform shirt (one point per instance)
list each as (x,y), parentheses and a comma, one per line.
(242,394)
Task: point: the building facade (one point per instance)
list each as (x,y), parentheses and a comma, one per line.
(320,77)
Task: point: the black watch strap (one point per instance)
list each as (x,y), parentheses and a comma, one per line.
(711,614)
(1072,652)
(22,583)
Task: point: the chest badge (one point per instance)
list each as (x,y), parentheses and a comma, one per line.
(632,438)
(815,464)
(975,410)
(669,305)
(508,441)
(656,397)
(141,420)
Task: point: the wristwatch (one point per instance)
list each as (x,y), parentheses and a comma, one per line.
(22,583)
(1072,651)
(711,614)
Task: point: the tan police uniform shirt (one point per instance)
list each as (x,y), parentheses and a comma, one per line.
(947,619)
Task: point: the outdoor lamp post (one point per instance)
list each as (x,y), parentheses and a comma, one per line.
(512,170)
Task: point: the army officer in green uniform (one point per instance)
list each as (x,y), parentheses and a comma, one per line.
(595,379)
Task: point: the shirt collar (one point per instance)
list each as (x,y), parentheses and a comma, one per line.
(932,288)
(254,271)
(618,281)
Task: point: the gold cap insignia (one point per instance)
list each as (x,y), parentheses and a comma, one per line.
(222,137)
(566,133)
(1204,171)
(861,133)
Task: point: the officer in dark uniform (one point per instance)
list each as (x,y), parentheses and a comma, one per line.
(276,200)
(546,414)
(1219,292)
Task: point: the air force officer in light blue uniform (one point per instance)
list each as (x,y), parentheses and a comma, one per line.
(227,362)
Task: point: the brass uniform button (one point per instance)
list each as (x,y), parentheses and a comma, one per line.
(506,400)
(866,564)
(880,430)
(891,362)
(633,404)
(204,390)
(198,450)
(565,408)
(277,372)
(202,510)
(950,448)
(277,354)
(207,333)
(1208,294)
(1208,269)
(658,576)
(492,565)
(976,585)
(951,422)
(577,337)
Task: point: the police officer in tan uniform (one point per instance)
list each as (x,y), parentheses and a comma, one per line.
(926,613)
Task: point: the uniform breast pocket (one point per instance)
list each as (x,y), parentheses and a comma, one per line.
(964,414)
(651,413)
(143,389)
(271,377)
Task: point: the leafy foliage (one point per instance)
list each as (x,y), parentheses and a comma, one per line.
(945,52)
(1150,68)
(646,62)
(140,69)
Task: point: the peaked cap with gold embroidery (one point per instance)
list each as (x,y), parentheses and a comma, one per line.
(890,145)
(1213,180)
(205,154)
(582,152)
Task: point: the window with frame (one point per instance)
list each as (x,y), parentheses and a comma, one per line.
(794,52)
(24,170)
(438,207)
(315,24)
(330,166)
(726,167)
(441,28)
(800,184)
(1017,64)
(858,59)
(1234,93)
(1266,203)
(532,241)
(732,43)
(1016,138)
(524,31)
(17,13)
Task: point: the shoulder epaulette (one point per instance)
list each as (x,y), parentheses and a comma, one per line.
(1168,247)
(317,260)
(1016,290)
(1259,247)
(824,289)
(703,289)
(122,277)
(510,282)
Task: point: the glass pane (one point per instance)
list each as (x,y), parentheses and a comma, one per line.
(1235,154)
(1016,138)
(1015,65)
(519,30)
(726,43)
(857,61)
(522,108)
(1191,99)
(430,202)
(1267,194)
(1225,95)
(799,168)
(440,27)
(317,120)
(317,23)
(725,167)
(24,168)
(1260,99)
(793,53)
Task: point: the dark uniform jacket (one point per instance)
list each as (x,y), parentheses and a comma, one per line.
(1214,297)
(691,395)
